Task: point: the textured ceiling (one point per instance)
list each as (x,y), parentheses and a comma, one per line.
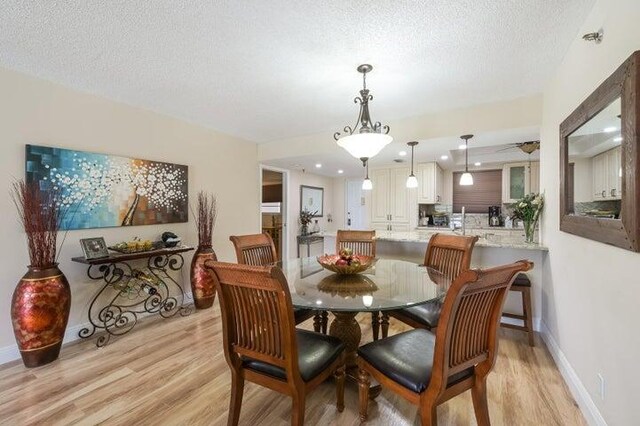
(267,70)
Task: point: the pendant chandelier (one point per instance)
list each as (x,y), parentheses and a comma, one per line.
(412,180)
(466,179)
(366,139)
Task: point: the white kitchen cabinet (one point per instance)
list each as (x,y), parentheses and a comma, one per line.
(430,183)
(600,169)
(519,179)
(614,175)
(534,182)
(380,179)
(389,198)
(607,175)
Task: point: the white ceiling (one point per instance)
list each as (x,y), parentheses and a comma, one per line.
(267,70)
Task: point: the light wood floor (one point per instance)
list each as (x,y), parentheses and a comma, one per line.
(173,372)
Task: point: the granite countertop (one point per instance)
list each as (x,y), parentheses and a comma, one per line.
(423,236)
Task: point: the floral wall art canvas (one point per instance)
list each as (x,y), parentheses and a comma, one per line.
(100,190)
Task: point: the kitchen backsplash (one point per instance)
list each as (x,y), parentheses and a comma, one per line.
(472,220)
(610,206)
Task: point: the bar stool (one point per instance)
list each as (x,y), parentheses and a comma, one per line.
(522,284)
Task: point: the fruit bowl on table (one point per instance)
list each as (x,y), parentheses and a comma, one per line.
(340,265)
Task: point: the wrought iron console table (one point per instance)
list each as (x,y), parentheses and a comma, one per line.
(129,291)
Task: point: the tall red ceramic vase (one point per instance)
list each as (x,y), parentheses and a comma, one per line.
(202,286)
(39,314)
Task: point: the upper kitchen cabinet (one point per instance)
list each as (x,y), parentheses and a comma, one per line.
(430,183)
(389,198)
(518,180)
(607,175)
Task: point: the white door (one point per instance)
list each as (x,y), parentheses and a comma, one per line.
(354,205)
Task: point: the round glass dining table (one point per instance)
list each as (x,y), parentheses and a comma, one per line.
(388,285)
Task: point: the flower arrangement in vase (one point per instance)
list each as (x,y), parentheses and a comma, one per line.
(42,299)
(305,219)
(202,285)
(528,210)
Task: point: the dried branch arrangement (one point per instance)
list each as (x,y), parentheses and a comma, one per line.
(205,217)
(40,217)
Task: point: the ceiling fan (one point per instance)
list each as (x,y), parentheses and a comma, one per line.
(527,147)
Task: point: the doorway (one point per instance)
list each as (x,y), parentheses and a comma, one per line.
(355,205)
(273,208)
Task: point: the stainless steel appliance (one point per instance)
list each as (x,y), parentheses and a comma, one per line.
(440,219)
(495,216)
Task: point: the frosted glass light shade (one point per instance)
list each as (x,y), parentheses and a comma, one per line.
(466,179)
(364,145)
(367,300)
(412,182)
(367,185)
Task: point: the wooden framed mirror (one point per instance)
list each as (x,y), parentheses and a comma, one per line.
(600,162)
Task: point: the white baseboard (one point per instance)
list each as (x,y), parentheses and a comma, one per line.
(536,322)
(11,352)
(579,392)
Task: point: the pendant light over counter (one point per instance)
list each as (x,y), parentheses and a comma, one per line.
(366,138)
(367,185)
(412,181)
(466,179)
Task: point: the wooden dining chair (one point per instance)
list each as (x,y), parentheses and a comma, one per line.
(259,250)
(448,254)
(364,243)
(428,369)
(261,343)
(360,242)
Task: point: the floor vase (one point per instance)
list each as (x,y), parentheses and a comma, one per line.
(202,286)
(39,314)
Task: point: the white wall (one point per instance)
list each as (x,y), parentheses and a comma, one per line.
(590,290)
(297,178)
(39,112)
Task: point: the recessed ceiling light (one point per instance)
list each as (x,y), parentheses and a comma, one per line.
(444,157)
(617,139)
(340,171)
(462,146)
(402,153)
(477,164)
(609,129)
(318,165)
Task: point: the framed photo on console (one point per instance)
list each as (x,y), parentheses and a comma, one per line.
(94,248)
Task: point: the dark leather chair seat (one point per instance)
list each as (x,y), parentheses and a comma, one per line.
(315,353)
(522,280)
(426,313)
(407,358)
(300,314)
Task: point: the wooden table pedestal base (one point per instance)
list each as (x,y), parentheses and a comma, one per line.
(346,328)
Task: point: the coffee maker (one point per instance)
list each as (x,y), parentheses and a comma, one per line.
(495,217)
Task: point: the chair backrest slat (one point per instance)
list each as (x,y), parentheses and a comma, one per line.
(450,254)
(467,330)
(257,314)
(254,249)
(360,242)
